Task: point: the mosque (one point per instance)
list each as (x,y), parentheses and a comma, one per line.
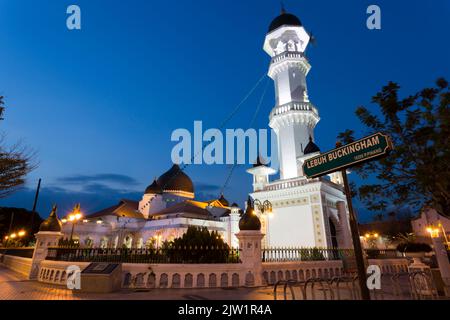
(305,212)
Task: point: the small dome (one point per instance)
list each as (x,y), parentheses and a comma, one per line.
(175,180)
(311,147)
(52,223)
(154,188)
(234,205)
(249,221)
(223,201)
(285,19)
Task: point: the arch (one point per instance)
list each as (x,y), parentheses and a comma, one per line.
(288,275)
(249,279)
(104,242)
(314,273)
(294,275)
(301,275)
(88,242)
(273,277)
(336,272)
(333,234)
(200,280)
(308,274)
(212,283)
(139,280)
(319,273)
(128,241)
(164,280)
(235,280)
(188,280)
(140,243)
(127,280)
(224,280)
(151,280)
(266,277)
(63,276)
(51,274)
(176,280)
(57,275)
(280,275)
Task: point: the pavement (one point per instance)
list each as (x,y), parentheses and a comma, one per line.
(14,286)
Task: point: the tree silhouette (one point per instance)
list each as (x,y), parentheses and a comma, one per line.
(417,171)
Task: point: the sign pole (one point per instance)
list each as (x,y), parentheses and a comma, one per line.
(365,294)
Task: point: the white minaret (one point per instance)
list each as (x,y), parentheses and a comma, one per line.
(294,117)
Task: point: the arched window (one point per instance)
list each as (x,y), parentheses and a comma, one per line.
(333,234)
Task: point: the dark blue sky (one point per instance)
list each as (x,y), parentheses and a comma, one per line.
(99,105)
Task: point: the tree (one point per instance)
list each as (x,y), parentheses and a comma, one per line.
(16,162)
(417,171)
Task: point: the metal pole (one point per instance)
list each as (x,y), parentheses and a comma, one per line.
(365,294)
(33,212)
(71,233)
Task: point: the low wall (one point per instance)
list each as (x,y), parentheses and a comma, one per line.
(390,265)
(139,275)
(18,264)
(300,270)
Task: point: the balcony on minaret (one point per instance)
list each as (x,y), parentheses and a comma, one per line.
(260,173)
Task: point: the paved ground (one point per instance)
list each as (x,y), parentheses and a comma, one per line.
(14,286)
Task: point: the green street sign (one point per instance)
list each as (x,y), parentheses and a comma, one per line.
(366,149)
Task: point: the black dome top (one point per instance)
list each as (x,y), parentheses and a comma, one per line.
(153,188)
(311,147)
(249,221)
(52,223)
(285,19)
(175,179)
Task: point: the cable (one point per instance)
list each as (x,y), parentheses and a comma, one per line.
(236,109)
(227,181)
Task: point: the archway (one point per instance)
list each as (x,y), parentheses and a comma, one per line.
(333,234)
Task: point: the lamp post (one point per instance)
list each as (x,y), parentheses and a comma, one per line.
(439,247)
(74,217)
(371,239)
(265,207)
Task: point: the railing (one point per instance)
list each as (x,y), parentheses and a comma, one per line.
(170,255)
(288,55)
(18,252)
(383,254)
(303,254)
(294,106)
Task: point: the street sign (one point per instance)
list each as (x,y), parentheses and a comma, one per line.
(365,149)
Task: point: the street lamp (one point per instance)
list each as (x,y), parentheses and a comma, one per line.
(74,217)
(265,207)
(433,231)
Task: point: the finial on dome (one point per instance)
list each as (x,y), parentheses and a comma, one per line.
(52,223)
(283,10)
(249,220)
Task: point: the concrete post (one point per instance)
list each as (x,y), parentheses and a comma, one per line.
(44,240)
(344,224)
(250,255)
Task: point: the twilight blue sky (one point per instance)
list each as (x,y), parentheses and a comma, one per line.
(99,105)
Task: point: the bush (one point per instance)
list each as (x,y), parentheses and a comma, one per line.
(413,247)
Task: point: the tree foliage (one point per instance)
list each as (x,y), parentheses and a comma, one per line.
(16,162)
(417,171)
